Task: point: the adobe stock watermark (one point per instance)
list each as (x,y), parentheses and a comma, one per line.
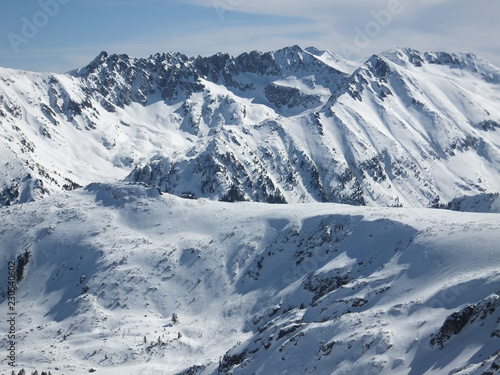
(224,6)
(31,26)
(11,314)
(380,19)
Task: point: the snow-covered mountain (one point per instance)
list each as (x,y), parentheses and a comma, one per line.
(255,288)
(116,273)
(404,128)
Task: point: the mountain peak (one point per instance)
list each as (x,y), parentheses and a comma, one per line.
(406,56)
(102,56)
(106,61)
(93,65)
(315,51)
(294,49)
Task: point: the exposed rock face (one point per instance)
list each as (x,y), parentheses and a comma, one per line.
(471,315)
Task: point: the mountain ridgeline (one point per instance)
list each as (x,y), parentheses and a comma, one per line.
(404,128)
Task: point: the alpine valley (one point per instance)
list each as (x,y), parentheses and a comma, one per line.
(287,212)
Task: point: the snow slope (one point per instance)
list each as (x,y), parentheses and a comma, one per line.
(258,289)
(405,128)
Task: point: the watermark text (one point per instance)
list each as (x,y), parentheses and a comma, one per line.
(31,26)
(11,313)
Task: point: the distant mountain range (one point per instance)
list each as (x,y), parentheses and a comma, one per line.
(404,128)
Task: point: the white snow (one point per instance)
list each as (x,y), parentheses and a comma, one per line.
(238,273)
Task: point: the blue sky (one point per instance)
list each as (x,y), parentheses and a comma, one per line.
(60,35)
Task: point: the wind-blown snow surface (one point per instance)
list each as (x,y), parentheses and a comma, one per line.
(407,128)
(258,289)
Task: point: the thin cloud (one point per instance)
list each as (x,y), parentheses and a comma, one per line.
(455,25)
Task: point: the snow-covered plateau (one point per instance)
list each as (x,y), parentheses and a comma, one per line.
(140,216)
